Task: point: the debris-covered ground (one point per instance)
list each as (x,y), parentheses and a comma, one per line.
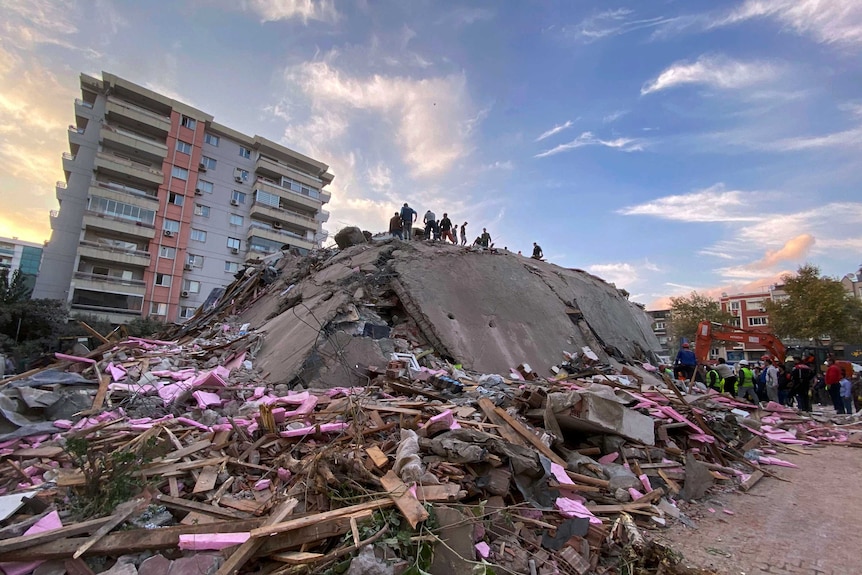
(393,408)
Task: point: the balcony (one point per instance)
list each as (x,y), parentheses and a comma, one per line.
(62,191)
(76,135)
(322,216)
(125,193)
(68,161)
(263,211)
(83,108)
(288,196)
(97,282)
(99,221)
(137,117)
(281,236)
(134,145)
(101,252)
(127,168)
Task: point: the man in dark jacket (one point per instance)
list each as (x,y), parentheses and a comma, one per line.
(686,361)
(408,217)
(801,377)
(833,384)
(395,226)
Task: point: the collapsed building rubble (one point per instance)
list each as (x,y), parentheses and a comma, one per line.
(390,408)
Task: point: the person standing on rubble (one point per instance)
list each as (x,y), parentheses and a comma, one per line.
(846,394)
(713,378)
(801,377)
(408,217)
(771,380)
(685,362)
(395,226)
(464,234)
(833,384)
(446,229)
(728,378)
(746,382)
(485,238)
(430,221)
(538,254)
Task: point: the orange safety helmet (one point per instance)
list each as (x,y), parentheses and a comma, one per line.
(686,345)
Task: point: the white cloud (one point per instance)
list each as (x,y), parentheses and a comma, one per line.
(305,10)
(845,139)
(612,23)
(713,71)
(498,165)
(713,204)
(555,130)
(588,139)
(619,274)
(432,117)
(380,177)
(614,116)
(827,21)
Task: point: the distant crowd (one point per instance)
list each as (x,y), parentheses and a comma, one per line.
(401,226)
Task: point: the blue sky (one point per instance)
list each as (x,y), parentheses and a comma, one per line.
(665,146)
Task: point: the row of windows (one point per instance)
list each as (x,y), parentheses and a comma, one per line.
(162,309)
(204,211)
(214,140)
(121,210)
(191,286)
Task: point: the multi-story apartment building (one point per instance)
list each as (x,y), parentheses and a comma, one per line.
(19,255)
(161,205)
(660,323)
(853,283)
(749,312)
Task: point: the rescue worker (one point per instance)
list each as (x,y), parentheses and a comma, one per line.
(713,378)
(746,382)
(801,377)
(686,361)
(728,378)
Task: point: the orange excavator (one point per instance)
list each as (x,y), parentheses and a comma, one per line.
(707,332)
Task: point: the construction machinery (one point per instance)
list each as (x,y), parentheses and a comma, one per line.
(707,332)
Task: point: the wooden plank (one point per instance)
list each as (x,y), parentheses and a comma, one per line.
(247,550)
(101,393)
(184,452)
(627,507)
(405,501)
(296,557)
(440,493)
(531,437)
(377,456)
(671,484)
(206,480)
(651,496)
(189,505)
(121,513)
(166,469)
(46,451)
(319,517)
(245,505)
(314,533)
(77,567)
(133,541)
(751,481)
(489,409)
(588,480)
(24,541)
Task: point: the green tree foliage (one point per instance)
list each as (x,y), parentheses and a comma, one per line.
(815,308)
(13,289)
(688,311)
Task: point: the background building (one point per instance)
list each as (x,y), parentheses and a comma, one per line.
(660,325)
(161,205)
(26,256)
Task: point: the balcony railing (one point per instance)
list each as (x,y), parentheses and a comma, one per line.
(54,214)
(130,163)
(68,156)
(81,102)
(285,211)
(266,182)
(278,232)
(136,108)
(61,184)
(108,279)
(119,219)
(114,249)
(134,135)
(117,187)
(76,129)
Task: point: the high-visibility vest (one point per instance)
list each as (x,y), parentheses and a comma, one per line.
(746,377)
(713,379)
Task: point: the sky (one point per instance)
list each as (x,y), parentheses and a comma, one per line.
(665,146)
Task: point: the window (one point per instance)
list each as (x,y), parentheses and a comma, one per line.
(734,305)
(240,175)
(158,308)
(199,235)
(233,243)
(208,163)
(211,140)
(195,261)
(245,152)
(184,147)
(163,280)
(175,199)
(205,186)
(659,325)
(231,267)
(735,322)
(171,226)
(202,210)
(758,321)
(187,311)
(167,252)
(235,220)
(262,197)
(122,211)
(180,173)
(238,197)
(187,122)
(192,286)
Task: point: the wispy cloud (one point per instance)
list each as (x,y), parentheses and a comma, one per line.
(611,23)
(614,116)
(305,10)
(555,130)
(713,204)
(588,139)
(845,139)
(498,165)
(713,71)
(828,22)
(464,16)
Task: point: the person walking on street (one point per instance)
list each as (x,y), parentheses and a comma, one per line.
(771,380)
(537,252)
(408,217)
(446,229)
(801,377)
(464,234)
(395,226)
(727,376)
(746,382)
(685,362)
(833,384)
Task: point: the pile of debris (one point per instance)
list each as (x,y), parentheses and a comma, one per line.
(327,415)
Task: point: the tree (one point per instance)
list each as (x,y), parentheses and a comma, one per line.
(14,289)
(688,311)
(816,308)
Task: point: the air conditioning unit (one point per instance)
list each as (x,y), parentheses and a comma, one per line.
(234,250)
(198,192)
(184,294)
(202,168)
(169,234)
(237,179)
(276,225)
(234,202)
(187,267)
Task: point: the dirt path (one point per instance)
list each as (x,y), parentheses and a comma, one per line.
(809,526)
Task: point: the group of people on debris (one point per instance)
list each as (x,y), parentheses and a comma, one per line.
(401,227)
(790,383)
